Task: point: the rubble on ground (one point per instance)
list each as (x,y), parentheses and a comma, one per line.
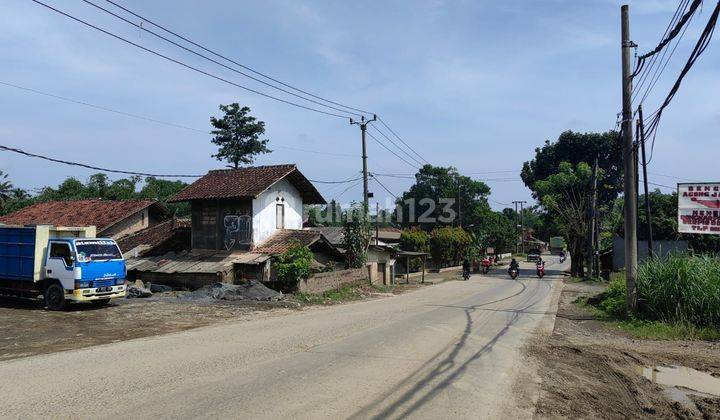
(137,290)
(158,288)
(251,290)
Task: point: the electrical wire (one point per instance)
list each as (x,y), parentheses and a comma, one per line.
(701,45)
(154,120)
(97,168)
(176,61)
(142,28)
(396,145)
(672,34)
(217,54)
(384,187)
(403,141)
(390,150)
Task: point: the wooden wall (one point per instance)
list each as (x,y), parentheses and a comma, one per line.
(222,224)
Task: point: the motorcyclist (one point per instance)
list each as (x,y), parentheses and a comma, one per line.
(513,265)
(540,263)
(466,265)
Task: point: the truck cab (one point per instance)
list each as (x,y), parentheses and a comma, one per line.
(83,269)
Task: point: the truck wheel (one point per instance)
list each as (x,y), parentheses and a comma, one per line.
(100,302)
(54,297)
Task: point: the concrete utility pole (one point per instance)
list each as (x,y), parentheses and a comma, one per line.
(589,258)
(630,193)
(377,223)
(363,128)
(648,214)
(519,216)
(459,207)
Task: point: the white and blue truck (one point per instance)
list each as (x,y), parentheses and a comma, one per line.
(62,264)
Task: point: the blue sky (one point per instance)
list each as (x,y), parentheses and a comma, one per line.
(473,84)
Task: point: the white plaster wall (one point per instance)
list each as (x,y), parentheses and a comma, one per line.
(264,210)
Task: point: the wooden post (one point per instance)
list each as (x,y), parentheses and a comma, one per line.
(423,268)
(407,269)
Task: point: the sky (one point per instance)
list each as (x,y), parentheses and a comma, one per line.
(477,85)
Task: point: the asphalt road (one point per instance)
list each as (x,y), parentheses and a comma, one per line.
(448,351)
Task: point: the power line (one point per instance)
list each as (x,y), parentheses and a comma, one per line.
(700,47)
(157,25)
(672,34)
(384,187)
(335,182)
(149,119)
(403,141)
(396,145)
(173,60)
(390,150)
(142,28)
(97,168)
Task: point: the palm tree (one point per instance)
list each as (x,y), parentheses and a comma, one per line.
(5,188)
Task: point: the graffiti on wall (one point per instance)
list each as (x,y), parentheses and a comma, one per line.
(237,230)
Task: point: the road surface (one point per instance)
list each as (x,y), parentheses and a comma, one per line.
(448,351)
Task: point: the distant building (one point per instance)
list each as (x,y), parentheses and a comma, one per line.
(112,218)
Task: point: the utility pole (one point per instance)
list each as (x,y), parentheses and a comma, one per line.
(519,216)
(589,258)
(522,227)
(517,248)
(630,193)
(459,206)
(377,224)
(363,128)
(597,245)
(648,214)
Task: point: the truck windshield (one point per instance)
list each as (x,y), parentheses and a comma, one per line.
(97,250)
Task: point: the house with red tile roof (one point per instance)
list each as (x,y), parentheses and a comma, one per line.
(112,218)
(240,209)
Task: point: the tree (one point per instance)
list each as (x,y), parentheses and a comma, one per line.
(356,236)
(448,245)
(558,176)
(5,188)
(162,190)
(433,198)
(566,195)
(238,136)
(498,232)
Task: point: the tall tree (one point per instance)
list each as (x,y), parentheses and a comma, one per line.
(557,176)
(237,134)
(433,199)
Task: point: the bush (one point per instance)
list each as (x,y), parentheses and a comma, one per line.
(293,265)
(448,245)
(415,240)
(614,302)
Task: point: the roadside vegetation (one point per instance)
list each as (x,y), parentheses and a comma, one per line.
(678,298)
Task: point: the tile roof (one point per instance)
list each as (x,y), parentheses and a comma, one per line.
(153,235)
(248,182)
(334,234)
(280,241)
(99,213)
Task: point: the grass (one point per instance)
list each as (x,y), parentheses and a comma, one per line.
(331,297)
(678,298)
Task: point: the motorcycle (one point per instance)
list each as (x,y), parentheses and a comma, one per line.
(466,274)
(486,266)
(514,272)
(562,259)
(540,270)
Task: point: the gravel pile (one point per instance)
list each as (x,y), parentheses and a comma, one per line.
(252,290)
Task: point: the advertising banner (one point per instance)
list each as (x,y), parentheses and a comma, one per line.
(699,208)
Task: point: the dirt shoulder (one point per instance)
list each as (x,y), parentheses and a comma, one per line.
(592,370)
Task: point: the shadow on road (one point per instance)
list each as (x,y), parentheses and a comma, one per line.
(448,366)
